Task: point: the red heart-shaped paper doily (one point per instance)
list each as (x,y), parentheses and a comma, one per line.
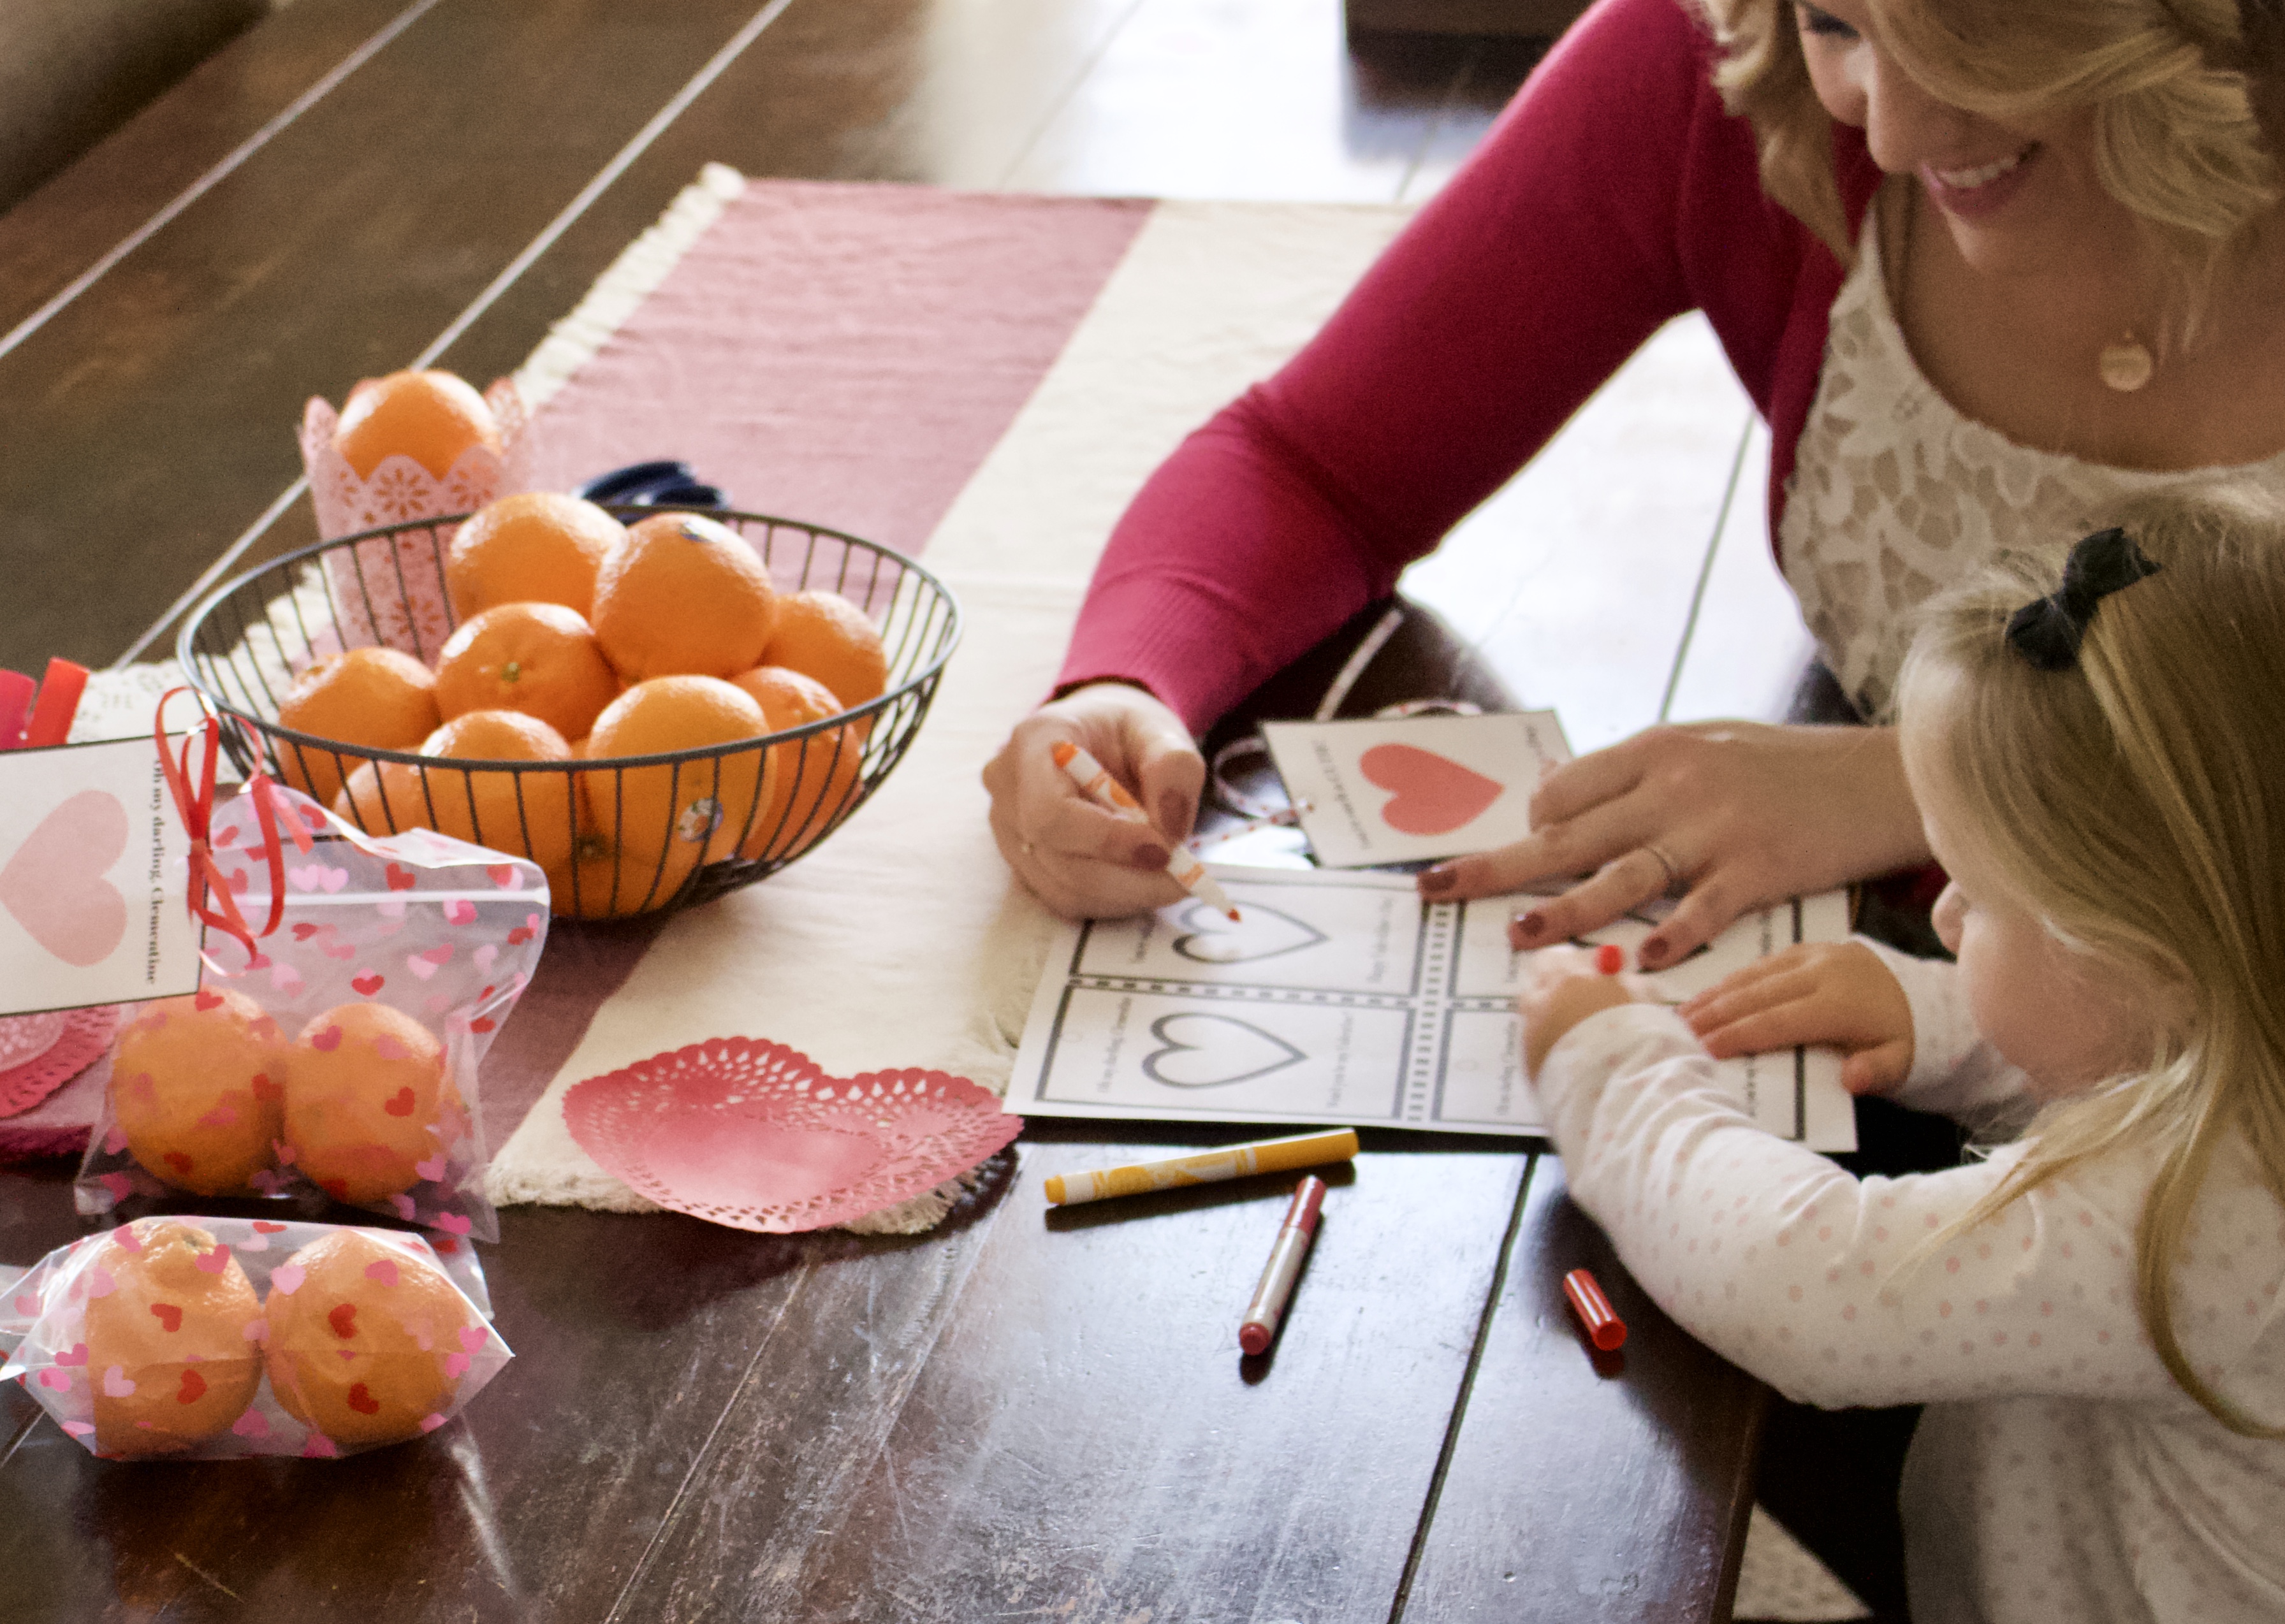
(753,1134)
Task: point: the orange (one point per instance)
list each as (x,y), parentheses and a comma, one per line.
(367,1090)
(598,883)
(535,548)
(708,803)
(428,416)
(684,595)
(812,779)
(525,814)
(823,635)
(539,658)
(375,697)
(387,798)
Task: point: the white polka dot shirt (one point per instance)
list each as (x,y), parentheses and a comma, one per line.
(2059,1472)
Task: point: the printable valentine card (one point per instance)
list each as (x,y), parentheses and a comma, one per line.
(1345,998)
(1410,788)
(93,867)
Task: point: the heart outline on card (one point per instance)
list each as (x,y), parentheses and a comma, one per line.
(1222,1044)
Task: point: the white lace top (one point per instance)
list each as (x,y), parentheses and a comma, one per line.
(1895,495)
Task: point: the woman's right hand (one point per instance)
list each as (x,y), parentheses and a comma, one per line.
(1084,862)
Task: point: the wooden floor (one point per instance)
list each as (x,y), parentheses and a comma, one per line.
(167,306)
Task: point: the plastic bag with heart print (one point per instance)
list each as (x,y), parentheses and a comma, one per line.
(344,1057)
(211,1338)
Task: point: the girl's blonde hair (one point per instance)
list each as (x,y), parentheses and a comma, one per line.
(2178,118)
(2135,801)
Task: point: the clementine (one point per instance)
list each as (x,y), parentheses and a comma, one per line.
(525,813)
(812,778)
(539,658)
(823,635)
(710,803)
(535,547)
(431,417)
(376,697)
(599,883)
(683,594)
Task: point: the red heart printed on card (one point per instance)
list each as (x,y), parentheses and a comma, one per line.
(54,883)
(1434,794)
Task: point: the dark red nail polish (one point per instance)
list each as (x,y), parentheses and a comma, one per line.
(1174,814)
(1436,881)
(1529,925)
(1148,857)
(1653,951)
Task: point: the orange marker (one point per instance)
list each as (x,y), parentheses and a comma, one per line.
(1605,1329)
(1610,957)
(1096,784)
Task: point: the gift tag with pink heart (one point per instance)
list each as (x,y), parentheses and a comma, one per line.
(1404,788)
(93,866)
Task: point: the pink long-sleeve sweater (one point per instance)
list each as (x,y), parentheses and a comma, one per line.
(1615,194)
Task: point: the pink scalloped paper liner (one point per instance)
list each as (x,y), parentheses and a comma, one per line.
(394,596)
(751,1134)
(86,1034)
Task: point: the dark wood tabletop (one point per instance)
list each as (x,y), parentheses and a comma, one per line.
(1026,1413)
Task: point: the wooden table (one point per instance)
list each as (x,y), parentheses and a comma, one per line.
(1021,1415)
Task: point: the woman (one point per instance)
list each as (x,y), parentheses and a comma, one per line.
(1985,265)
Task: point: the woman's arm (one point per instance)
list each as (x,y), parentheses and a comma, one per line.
(1558,247)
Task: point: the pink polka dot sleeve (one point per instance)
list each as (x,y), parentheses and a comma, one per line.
(1807,1276)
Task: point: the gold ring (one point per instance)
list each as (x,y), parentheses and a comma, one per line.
(1673,869)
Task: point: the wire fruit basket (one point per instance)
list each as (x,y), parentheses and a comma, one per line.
(618,836)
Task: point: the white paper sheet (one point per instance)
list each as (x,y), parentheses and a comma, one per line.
(1344,998)
(1399,790)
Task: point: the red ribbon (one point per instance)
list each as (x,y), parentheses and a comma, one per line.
(196,806)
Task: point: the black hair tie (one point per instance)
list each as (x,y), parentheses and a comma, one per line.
(2047,630)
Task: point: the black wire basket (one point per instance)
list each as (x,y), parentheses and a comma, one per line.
(625,835)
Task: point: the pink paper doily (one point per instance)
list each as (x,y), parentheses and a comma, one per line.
(752,1135)
(86,1034)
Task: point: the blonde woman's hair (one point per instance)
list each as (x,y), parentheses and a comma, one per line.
(2178,118)
(2135,801)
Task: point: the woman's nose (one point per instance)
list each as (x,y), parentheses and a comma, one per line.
(1905,126)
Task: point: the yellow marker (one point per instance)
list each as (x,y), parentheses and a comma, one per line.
(1205,1167)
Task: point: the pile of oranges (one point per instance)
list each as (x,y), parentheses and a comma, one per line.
(584,640)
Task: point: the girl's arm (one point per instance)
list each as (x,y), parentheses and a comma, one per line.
(1798,1271)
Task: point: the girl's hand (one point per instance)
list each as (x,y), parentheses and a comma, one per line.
(1831,993)
(1730,815)
(1084,862)
(1562,988)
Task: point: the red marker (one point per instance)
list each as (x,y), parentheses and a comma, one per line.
(1259,1329)
(1610,957)
(59,691)
(1605,1329)
(16,691)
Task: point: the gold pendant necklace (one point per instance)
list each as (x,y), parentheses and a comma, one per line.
(2126,365)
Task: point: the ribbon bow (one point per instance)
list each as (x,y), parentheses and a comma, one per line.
(194,802)
(2047,630)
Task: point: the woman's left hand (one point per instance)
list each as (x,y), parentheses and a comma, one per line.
(1727,816)
(1561,988)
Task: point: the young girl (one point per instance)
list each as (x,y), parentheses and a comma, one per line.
(2091,1315)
